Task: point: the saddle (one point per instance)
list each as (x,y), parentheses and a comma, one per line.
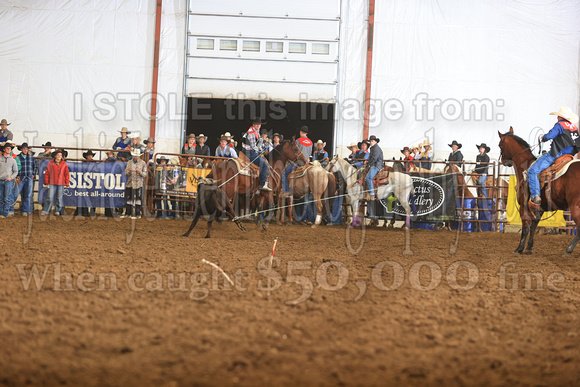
(245,166)
(380,179)
(301,171)
(553,172)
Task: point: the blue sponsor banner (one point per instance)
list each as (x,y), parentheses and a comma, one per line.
(92,184)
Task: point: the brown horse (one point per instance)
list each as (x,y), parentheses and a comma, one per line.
(316,180)
(243,185)
(565,191)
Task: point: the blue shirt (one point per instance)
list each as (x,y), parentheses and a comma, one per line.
(563,141)
(28,167)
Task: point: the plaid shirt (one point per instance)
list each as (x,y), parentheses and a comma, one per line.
(28,166)
(251,138)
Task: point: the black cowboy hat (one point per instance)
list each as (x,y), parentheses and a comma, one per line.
(64,153)
(148,140)
(162,158)
(24,145)
(258,121)
(365,142)
(89,153)
(455,143)
(483,145)
(373,137)
(303,128)
(279,135)
(48,144)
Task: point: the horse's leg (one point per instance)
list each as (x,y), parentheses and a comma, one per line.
(575,212)
(319,209)
(533,232)
(526,223)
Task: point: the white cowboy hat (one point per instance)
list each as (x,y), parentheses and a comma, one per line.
(136,135)
(426,143)
(202,135)
(136,152)
(320,142)
(567,113)
(228,134)
(352,145)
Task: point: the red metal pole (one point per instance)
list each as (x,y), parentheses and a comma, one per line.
(369,67)
(155,69)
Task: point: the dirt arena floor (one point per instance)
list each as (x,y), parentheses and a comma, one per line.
(151,313)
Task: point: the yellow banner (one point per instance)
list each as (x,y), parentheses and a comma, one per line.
(549,219)
(197,172)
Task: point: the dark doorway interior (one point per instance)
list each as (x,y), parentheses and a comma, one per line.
(213,117)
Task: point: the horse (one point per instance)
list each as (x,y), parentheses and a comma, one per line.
(401,184)
(315,180)
(241,185)
(560,194)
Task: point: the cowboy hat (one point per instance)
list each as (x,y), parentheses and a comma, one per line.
(426,143)
(566,113)
(320,142)
(4,122)
(124,130)
(483,145)
(162,158)
(135,135)
(89,153)
(4,145)
(110,150)
(368,144)
(304,129)
(47,145)
(228,134)
(24,145)
(279,136)
(258,121)
(136,152)
(191,135)
(405,149)
(353,145)
(455,143)
(224,138)
(373,137)
(62,151)
(148,140)
(413,147)
(201,135)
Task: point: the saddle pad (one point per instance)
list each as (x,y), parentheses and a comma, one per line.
(242,162)
(557,170)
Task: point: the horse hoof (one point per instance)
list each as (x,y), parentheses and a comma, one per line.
(517,251)
(314,226)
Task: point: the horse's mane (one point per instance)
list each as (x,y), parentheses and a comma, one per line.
(523,143)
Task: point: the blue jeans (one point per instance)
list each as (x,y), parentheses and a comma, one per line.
(369,179)
(336,216)
(289,169)
(5,189)
(542,163)
(481,181)
(54,196)
(25,191)
(254,158)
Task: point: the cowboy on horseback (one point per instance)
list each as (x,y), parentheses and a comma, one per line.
(250,149)
(375,163)
(562,135)
(305,146)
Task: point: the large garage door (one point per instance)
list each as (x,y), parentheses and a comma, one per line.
(285,50)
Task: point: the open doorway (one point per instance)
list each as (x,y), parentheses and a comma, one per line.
(215,116)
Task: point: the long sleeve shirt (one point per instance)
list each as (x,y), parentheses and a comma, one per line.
(8,167)
(28,166)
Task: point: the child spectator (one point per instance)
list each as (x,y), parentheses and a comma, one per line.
(136,171)
(56,178)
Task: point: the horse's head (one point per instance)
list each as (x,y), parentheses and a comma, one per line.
(506,148)
(293,152)
(332,163)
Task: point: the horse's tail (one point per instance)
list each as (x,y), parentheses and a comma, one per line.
(330,188)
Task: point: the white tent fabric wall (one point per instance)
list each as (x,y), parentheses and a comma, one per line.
(520,56)
(68,69)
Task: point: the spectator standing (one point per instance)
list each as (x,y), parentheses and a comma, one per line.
(56,177)
(426,155)
(202,150)
(482,169)
(47,154)
(136,171)
(408,158)
(189,146)
(8,173)
(149,149)
(277,139)
(14,190)
(223,150)
(455,154)
(26,174)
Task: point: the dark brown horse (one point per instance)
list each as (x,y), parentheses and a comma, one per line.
(565,191)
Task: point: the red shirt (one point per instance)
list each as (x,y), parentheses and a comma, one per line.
(57,174)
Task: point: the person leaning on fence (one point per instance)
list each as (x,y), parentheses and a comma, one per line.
(56,177)
(47,151)
(362,155)
(252,152)
(231,142)
(223,150)
(202,150)
(136,144)
(164,184)
(320,154)
(136,171)
(5,134)
(408,158)
(563,136)
(455,154)
(426,155)
(110,156)
(482,169)
(8,174)
(305,147)
(149,149)
(121,143)
(26,175)
(375,163)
